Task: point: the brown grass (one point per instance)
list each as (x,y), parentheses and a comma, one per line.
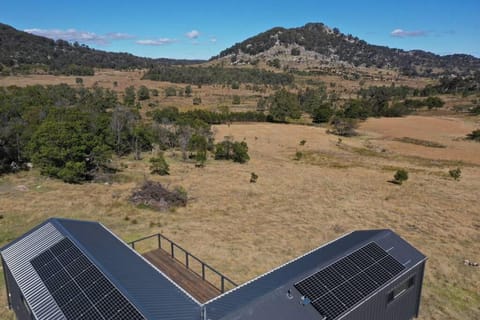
(245,229)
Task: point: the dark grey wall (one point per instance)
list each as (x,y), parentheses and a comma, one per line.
(404,307)
(16,300)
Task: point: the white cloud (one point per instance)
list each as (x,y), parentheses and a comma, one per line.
(119,36)
(80,36)
(213,39)
(156,42)
(400,33)
(194,34)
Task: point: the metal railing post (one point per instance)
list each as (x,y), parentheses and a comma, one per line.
(171,248)
(223,284)
(203,271)
(159,241)
(186,260)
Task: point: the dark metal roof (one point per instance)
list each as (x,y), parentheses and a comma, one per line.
(152,293)
(249,300)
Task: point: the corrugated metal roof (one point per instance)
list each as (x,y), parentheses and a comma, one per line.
(17,256)
(239,302)
(153,293)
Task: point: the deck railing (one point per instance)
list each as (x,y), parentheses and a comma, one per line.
(186,259)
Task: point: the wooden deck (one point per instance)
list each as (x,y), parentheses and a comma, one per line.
(187,279)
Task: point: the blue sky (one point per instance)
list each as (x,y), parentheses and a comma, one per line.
(201,29)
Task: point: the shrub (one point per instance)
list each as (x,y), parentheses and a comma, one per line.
(78,80)
(298,155)
(159,165)
(143,93)
(188,91)
(170,92)
(236,100)
(235,85)
(400,176)
(253,177)
(455,173)
(474,135)
(302,142)
(197,101)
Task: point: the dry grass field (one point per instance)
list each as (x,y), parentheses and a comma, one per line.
(245,229)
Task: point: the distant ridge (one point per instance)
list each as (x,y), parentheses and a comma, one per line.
(331,46)
(18,48)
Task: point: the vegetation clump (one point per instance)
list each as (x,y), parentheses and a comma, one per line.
(158,165)
(154,195)
(344,127)
(455,173)
(400,176)
(253,177)
(232,150)
(474,135)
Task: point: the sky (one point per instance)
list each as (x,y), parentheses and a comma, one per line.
(201,29)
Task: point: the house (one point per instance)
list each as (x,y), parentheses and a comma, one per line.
(70,269)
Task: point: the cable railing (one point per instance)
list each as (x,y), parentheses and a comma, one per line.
(187,259)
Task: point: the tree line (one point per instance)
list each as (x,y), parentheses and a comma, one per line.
(216,75)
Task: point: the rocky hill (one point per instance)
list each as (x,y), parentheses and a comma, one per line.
(22,52)
(315,43)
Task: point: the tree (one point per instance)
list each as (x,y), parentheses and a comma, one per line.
(129,98)
(235,85)
(434,102)
(343,126)
(159,165)
(229,150)
(284,104)
(199,144)
(143,93)
(322,113)
(65,147)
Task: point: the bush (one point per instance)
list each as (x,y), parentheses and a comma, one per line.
(253,177)
(455,173)
(159,165)
(228,150)
(197,101)
(170,92)
(343,127)
(143,93)
(400,176)
(298,155)
(235,85)
(474,135)
(302,142)
(236,100)
(188,91)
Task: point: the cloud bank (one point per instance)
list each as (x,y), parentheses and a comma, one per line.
(155,42)
(79,36)
(400,33)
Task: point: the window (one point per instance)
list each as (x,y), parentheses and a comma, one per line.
(401,289)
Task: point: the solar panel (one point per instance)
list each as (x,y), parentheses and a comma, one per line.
(78,287)
(340,286)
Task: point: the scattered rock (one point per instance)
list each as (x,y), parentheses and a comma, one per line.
(21,187)
(470,263)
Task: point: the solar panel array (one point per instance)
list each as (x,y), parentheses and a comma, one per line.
(338,287)
(78,287)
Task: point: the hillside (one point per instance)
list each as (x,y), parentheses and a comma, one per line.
(317,42)
(22,52)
